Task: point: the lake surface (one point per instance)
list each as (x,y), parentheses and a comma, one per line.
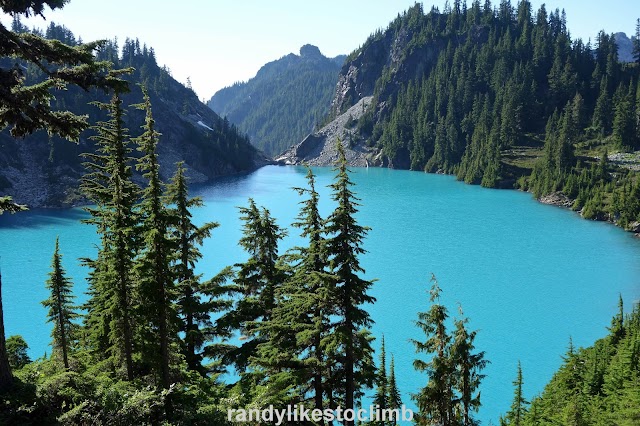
(528,275)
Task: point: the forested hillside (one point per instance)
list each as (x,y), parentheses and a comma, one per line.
(501,96)
(598,385)
(40,170)
(284,102)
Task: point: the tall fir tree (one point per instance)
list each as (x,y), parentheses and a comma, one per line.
(155,287)
(196,300)
(344,248)
(516,415)
(468,365)
(296,352)
(435,400)
(381,397)
(394,401)
(61,310)
(254,285)
(108,184)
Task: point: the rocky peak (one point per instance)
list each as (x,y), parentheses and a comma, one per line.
(310,51)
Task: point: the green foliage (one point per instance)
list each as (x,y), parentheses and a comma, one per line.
(61,313)
(451,394)
(285,101)
(462,90)
(27,107)
(17,352)
(596,385)
(108,184)
(344,248)
(515,416)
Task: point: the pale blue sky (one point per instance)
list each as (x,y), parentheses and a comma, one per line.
(216,43)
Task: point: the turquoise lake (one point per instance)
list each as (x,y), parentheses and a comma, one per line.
(527,275)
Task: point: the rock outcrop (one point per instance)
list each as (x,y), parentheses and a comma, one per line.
(319,148)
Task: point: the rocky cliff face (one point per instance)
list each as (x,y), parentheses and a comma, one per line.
(319,148)
(43,171)
(625,47)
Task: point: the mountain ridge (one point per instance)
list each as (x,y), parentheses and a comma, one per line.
(43,171)
(284,101)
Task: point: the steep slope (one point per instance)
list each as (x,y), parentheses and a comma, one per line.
(501,97)
(284,101)
(43,171)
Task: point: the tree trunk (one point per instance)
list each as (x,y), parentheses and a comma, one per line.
(6,379)
(63,334)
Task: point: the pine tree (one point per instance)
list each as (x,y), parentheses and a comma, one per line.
(344,246)
(154,276)
(255,284)
(296,352)
(394,401)
(515,416)
(434,401)
(467,372)
(110,317)
(61,309)
(196,300)
(27,108)
(381,396)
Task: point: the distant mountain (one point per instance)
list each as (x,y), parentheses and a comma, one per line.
(625,47)
(43,171)
(285,101)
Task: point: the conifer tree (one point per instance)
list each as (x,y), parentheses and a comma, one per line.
(435,400)
(344,247)
(394,401)
(27,108)
(468,365)
(110,317)
(254,285)
(154,276)
(296,351)
(381,396)
(196,300)
(515,416)
(61,309)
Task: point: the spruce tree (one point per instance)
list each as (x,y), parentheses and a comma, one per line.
(381,396)
(468,365)
(61,309)
(196,300)
(434,401)
(154,276)
(344,247)
(110,313)
(296,352)
(254,285)
(394,401)
(515,416)
(636,42)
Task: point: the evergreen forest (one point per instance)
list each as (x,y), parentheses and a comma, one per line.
(154,337)
(501,95)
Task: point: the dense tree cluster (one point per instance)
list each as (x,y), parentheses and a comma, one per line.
(477,88)
(597,385)
(283,103)
(215,149)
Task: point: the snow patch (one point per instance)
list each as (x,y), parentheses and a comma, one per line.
(204,125)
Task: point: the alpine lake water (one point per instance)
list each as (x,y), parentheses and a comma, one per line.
(529,276)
